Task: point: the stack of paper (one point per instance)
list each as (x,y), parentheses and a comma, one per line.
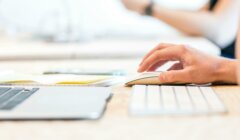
(59,79)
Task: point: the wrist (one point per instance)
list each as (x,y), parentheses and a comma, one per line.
(226,71)
(148,10)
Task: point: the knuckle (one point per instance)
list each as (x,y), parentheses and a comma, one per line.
(164,77)
(183,49)
(156,55)
(160,45)
(147,63)
(164,45)
(169,77)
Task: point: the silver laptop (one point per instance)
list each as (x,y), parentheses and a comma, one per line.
(53,102)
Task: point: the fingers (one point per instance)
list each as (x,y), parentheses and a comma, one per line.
(167,54)
(159,47)
(157,65)
(175,76)
(176,66)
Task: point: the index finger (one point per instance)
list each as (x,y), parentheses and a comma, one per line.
(158,47)
(168,54)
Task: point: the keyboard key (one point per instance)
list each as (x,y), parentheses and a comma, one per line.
(3,90)
(199,102)
(183,98)
(213,100)
(154,98)
(139,98)
(18,99)
(8,95)
(169,99)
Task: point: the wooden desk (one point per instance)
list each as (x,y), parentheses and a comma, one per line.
(116,124)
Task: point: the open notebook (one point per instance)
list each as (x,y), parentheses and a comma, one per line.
(59,79)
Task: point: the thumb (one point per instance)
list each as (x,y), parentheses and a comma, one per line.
(174,76)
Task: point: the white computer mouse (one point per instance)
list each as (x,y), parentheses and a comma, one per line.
(146,78)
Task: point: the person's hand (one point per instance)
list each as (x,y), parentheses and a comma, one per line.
(136,5)
(193,66)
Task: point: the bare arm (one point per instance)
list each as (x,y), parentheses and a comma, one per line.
(192,66)
(220,25)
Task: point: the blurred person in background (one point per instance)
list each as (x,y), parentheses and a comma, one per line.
(216,21)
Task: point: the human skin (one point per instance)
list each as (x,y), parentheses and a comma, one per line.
(193,66)
(219,25)
(238,57)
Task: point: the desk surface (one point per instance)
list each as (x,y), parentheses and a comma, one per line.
(116,124)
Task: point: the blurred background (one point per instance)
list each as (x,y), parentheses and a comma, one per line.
(82,20)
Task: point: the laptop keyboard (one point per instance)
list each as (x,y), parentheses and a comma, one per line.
(174,100)
(11,97)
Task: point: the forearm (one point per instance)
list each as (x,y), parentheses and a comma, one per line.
(193,23)
(218,25)
(226,71)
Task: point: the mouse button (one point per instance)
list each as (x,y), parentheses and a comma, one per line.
(149,74)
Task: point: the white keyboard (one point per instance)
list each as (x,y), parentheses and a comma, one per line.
(174,100)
